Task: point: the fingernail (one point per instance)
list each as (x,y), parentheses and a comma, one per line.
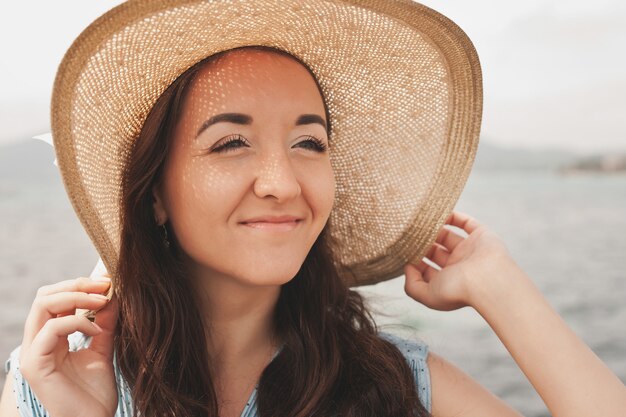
(100,296)
(102,279)
(96,326)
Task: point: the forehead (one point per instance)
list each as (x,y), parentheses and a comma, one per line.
(254,74)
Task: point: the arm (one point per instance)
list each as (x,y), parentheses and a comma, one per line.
(568,376)
(477,271)
(8,406)
(470,399)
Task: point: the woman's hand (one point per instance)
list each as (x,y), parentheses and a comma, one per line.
(71,384)
(478,271)
(467,264)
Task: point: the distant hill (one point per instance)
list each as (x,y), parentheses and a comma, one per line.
(494,157)
(32,160)
(597,163)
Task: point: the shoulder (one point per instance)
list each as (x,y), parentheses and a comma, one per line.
(470,398)
(416,354)
(413,349)
(30,406)
(458,394)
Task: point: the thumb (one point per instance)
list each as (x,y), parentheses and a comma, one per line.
(106,318)
(415,286)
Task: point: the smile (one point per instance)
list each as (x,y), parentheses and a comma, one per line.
(273,226)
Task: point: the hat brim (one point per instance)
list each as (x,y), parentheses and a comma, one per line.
(402,82)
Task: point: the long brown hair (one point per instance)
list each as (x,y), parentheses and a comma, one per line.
(332,362)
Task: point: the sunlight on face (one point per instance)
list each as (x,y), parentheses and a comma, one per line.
(251,141)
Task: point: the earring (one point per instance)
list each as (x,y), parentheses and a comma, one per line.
(165,240)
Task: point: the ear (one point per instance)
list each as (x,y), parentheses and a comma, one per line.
(158,205)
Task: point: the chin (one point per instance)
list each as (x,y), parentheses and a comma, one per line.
(270,276)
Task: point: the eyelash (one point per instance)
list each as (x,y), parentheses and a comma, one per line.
(319,145)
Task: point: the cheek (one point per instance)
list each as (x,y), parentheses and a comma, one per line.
(201,198)
(318,184)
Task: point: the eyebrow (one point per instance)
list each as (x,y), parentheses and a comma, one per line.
(238,118)
(244,119)
(307,119)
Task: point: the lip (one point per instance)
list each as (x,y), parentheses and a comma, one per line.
(273,223)
(272,219)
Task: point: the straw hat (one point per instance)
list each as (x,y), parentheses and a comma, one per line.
(402,82)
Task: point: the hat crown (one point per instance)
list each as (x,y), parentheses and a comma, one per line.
(402,83)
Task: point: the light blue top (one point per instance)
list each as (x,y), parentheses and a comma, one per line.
(29,406)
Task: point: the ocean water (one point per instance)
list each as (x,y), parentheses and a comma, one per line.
(567,233)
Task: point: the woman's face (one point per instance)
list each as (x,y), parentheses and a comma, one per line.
(249,143)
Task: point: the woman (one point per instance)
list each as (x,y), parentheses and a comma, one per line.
(238,146)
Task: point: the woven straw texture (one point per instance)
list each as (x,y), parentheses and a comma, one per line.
(402,82)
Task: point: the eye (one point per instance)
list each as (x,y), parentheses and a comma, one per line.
(314,144)
(231,143)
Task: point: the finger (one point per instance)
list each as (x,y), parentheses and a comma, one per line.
(420,267)
(438,254)
(415,286)
(68,302)
(430,269)
(107,320)
(54,333)
(82,284)
(46,307)
(425,269)
(463,221)
(448,238)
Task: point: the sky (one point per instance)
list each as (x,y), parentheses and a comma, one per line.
(553,76)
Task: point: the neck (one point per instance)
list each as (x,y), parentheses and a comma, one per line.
(238,318)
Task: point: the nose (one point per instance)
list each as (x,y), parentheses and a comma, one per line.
(276,177)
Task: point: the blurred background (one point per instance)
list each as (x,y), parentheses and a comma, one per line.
(549,176)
